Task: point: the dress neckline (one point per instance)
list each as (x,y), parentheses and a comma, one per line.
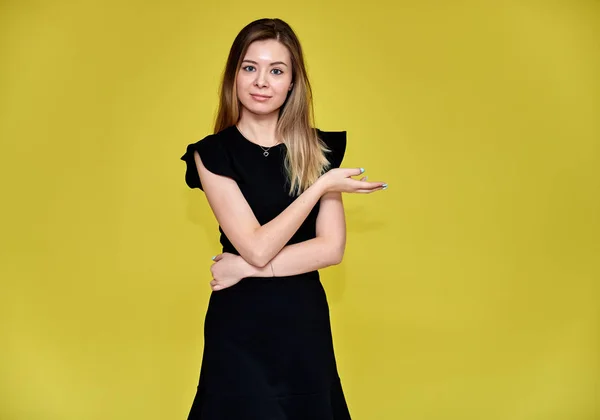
(241,136)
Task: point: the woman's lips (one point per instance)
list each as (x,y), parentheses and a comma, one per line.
(260,98)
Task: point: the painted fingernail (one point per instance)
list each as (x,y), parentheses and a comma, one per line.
(384,186)
(213,257)
(362,170)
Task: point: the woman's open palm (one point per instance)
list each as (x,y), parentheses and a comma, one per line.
(340,180)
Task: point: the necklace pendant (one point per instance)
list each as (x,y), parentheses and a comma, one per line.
(265,153)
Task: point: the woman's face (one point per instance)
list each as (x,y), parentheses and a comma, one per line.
(265,77)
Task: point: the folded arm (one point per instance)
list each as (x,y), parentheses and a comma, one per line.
(323,251)
(257,244)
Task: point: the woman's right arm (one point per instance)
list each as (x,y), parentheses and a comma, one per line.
(260,244)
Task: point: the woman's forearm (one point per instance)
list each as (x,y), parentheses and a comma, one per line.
(271,237)
(300,258)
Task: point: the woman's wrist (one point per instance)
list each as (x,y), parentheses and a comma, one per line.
(253,271)
(250,270)
(320,185)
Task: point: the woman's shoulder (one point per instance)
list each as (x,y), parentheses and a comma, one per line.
(335,138)
(214,152)
(222,137)
(328,133)
(336,142)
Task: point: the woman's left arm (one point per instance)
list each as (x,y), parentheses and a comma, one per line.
(325,250)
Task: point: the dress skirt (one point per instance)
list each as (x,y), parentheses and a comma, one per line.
(268,353)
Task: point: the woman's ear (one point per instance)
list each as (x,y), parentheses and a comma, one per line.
(291,86)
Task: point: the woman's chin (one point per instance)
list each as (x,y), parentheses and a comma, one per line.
(262,110)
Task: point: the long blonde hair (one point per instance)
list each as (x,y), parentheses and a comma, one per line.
(305,160)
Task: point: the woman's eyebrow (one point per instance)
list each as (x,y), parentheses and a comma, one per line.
(272,64)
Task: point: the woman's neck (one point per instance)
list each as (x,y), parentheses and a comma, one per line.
(259,128)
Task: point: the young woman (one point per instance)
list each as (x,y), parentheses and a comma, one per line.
(274,184)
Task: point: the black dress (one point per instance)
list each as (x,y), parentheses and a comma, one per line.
(268,351)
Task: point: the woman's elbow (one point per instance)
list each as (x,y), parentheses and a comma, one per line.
(257,258)
(337,255)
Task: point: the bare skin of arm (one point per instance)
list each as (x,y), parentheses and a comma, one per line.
(257,244)
(325,250)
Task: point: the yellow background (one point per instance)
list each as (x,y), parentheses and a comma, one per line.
(469,289)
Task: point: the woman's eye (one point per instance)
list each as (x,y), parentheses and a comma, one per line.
(248,68)
(277,71)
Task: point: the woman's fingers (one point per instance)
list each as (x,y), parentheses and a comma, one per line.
(366,185)
(215,285)
(367,191)
(352,171)
(369,187)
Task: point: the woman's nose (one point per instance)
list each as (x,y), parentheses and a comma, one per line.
(261,79)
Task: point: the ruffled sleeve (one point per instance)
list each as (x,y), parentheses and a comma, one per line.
(214,156)
(336,142)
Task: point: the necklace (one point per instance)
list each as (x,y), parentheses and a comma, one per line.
(264,149)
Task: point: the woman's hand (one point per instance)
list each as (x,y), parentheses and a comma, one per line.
(227,270)
(339,180)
